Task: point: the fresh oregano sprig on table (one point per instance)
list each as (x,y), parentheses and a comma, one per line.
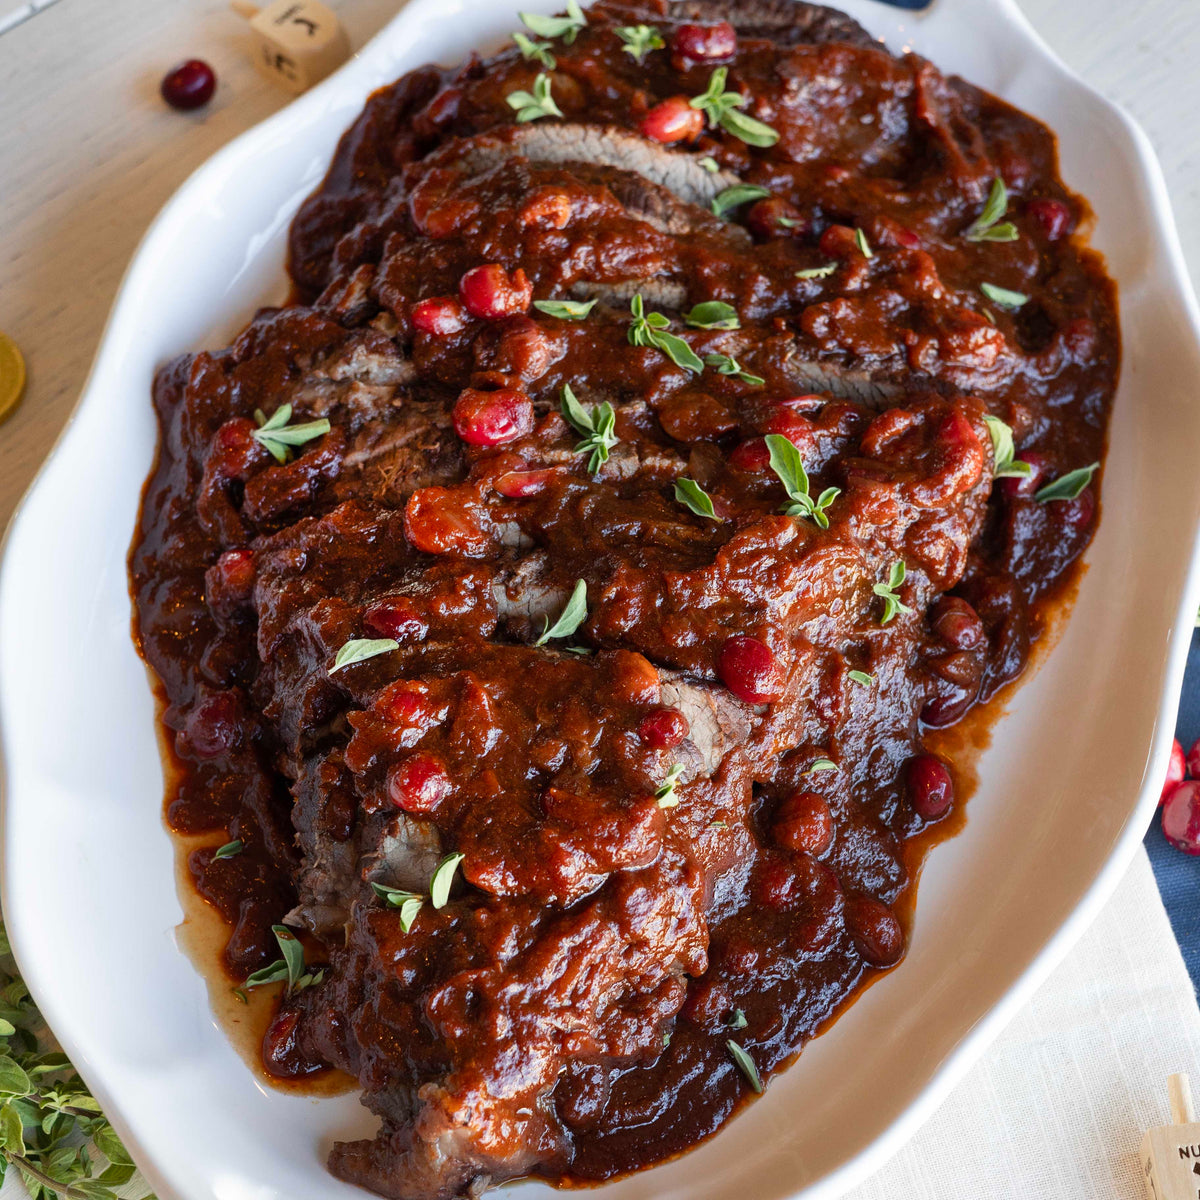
(51,1128)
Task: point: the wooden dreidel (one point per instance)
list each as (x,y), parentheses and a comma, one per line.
(297,42)
(1170,1154)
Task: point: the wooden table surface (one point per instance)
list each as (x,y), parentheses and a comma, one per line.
(89,153)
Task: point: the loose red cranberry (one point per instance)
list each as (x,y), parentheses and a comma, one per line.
(1025,485)
(794,426)
(805,823)
(930,787)
(674,120)
(396,617)
(418,784)
(490,291)
(190,85)
(663,729)
(705,43)
(1053,216)
(1192,761)
(1181,817)
(875,930)
(774,217)
(214,726)
(492,418)
(750,456)
(1179,768)
(439,315)
(750,670)
(956,623)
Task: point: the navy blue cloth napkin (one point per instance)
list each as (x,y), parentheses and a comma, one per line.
(1178,874)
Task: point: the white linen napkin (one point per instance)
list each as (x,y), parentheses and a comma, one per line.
(1057,1107)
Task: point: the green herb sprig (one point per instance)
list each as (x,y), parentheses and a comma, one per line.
(1005,463)
(1068,486)
(666,795)
(565,310)
(789,467)
(888,592)
(727,365)
(819,765)
(276,435)
(987,227)
(531,106)
(736,196)
(598,427)
(1003,296)
(713,314)
(229,850)
(567,27)
(290,967)
(822,272)
(745,1064)
(861,678)
(689,493)
(723,109)
(409,903)
(573,615)
(639,40)
(535,50)
(650,329)
(358,650)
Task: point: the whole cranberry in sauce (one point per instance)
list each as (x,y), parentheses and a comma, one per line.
(439,316)
(395,617)
(663,729)
(875,930)
(490,291)
(189,86)
(492,418)
(418,784)
(930,786)
(804,822)
(1181,817)
(750,670)
(1053,216)
(956,623)
(704,43)
(674,120)
(214,727)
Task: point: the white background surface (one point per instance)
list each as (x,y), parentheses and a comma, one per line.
(87,156)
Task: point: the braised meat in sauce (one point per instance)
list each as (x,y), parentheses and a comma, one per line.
(679,415)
